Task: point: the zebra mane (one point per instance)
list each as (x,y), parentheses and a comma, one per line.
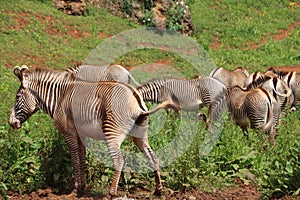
(280,74)
(73,69)
(159,82)
(164,79)
(258,82)
(42,73)
(44,70)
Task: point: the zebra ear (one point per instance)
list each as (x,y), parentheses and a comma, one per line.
(17,72)
(20,72)
(24,69)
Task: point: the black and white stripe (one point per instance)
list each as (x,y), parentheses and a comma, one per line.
(256,105)
(292,79)
(191,95)
(101,110)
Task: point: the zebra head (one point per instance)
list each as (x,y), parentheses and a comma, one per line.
(26,103)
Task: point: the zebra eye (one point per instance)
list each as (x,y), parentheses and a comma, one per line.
(18,96)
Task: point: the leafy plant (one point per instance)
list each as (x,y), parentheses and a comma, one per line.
(175,16)
(280,172)
(126,7)
(147,19)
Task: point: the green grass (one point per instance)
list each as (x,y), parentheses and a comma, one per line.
(239,24)
(36,34)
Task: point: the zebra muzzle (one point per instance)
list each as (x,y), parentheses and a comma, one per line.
(15,123)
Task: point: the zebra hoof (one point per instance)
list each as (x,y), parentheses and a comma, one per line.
(157,193)
(78,191)
(108,197)
(202,117)
(112,194)
(73,194)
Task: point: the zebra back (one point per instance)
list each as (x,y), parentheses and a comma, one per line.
(257,82)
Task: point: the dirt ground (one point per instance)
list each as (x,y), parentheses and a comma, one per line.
(241,192)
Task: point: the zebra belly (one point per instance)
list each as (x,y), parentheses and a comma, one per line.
(91,130)
(191,106)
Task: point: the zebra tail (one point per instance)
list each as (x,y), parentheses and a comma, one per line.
(218,109)
(269,123)
(166,104)
(288,94)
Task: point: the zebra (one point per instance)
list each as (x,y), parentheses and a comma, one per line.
(101,110)
(257,106)
(292,79)
(190,95)
(230,78)
(277,87)
(103,73)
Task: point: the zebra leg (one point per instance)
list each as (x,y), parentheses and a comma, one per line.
(272,136)
(113,143)
(82,156)
(143,145)
(246,134)
(276,118)
(74,147)
(244,128)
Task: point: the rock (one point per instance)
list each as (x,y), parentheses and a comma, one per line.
(71,7)
(162,12)
(159,14)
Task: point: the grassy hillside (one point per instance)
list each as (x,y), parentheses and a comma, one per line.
(253,34)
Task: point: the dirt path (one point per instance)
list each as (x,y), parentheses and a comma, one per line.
(288,68)
(242,192)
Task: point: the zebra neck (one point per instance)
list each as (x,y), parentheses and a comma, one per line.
(49,92)
(150,94)
(152,91)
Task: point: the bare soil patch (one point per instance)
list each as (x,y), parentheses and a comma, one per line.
(241,192)
(284,33)
(21,20)
(288,68)
(216,43)
(281,35)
